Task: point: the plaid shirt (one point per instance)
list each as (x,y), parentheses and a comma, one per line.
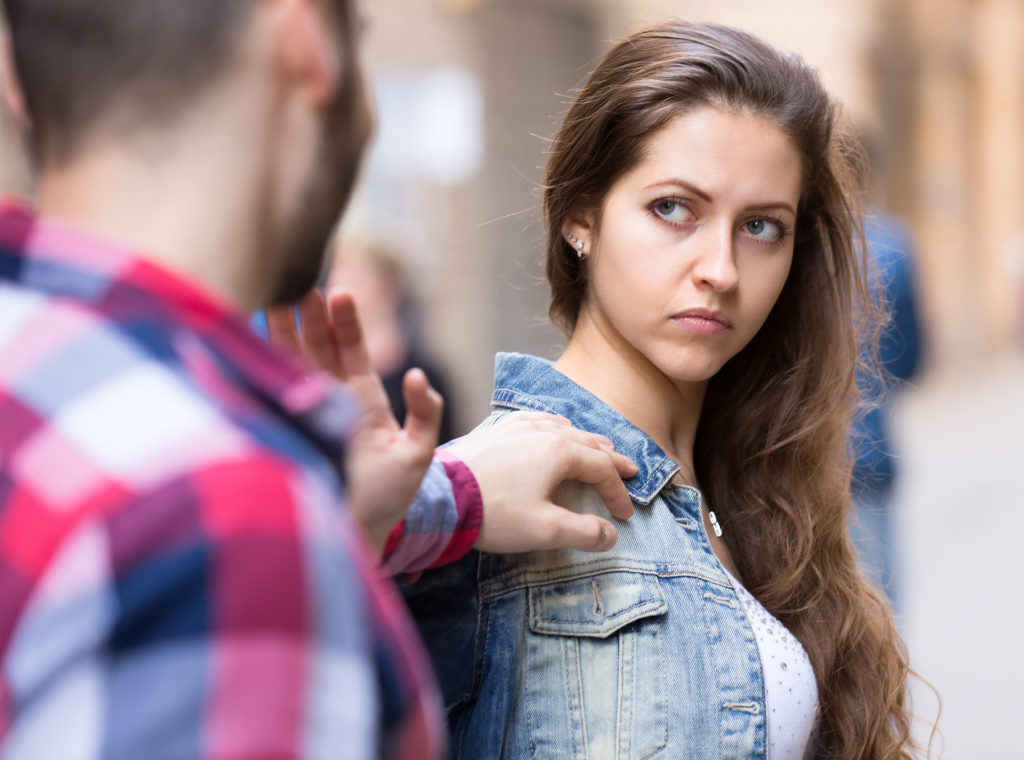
(176,577)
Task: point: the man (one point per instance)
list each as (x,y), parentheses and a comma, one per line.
(176,576)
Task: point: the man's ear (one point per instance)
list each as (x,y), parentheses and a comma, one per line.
(14,96)
(309,49)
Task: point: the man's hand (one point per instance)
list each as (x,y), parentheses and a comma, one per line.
(520,461)
(385,462)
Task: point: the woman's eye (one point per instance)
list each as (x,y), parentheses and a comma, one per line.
(763,229)
(672,211)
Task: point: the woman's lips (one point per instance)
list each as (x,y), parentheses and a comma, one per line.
(703,321)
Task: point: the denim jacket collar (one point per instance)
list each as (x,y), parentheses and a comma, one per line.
(528,382)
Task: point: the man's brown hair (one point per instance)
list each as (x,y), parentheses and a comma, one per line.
(84,63)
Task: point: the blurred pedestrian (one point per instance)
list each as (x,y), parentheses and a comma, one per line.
(181,572)
(376,277)
(876,461)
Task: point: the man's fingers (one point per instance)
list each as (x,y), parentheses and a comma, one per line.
(625,466)
(522,418)
(353,354)
(584,532)
(281,329)
(563,428)
(317,335)
(598,467)
(423,410)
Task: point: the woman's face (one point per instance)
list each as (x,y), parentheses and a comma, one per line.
(693,244)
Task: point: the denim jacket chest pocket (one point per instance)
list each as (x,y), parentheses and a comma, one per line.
(595,656)
(594,606)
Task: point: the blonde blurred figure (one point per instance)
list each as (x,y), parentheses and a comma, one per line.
(375,275)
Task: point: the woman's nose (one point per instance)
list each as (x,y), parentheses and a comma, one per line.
(716,263)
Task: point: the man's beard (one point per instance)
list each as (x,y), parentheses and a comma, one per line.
(325,198)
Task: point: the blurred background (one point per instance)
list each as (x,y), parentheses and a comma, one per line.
(468,92)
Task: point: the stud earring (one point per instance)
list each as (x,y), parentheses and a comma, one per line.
(576,243)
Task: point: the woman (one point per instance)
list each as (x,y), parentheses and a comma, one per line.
(701,257)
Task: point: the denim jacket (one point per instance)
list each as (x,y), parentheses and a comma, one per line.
(640,652)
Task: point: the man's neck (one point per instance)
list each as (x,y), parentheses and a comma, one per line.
(193,195)
(174,213)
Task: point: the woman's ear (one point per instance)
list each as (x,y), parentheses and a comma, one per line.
(578,230)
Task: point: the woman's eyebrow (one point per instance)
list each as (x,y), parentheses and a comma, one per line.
(684,184)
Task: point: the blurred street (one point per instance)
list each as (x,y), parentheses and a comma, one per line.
(961,522)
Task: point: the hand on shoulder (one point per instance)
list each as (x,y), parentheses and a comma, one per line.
(520,461)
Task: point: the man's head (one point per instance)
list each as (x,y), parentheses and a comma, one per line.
(109,73)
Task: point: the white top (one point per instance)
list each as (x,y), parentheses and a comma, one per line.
(791,692)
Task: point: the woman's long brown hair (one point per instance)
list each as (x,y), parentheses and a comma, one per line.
(771,451)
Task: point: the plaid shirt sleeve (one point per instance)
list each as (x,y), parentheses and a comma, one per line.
(443,523)
(185,626)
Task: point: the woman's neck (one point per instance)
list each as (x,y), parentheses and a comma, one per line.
(614,371)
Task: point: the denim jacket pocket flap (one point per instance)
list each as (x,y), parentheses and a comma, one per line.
(595,605)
